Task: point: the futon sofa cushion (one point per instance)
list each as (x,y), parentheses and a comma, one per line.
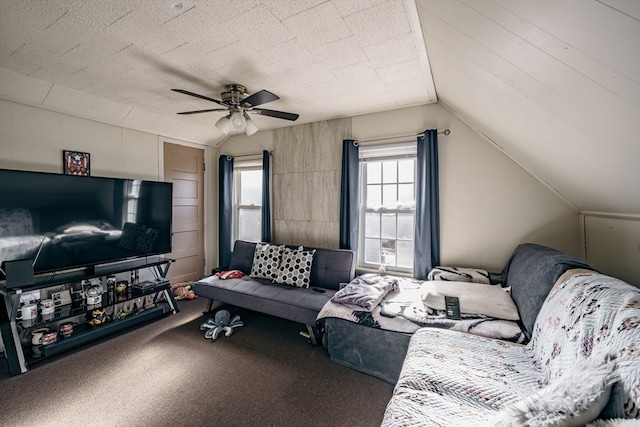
(329,268)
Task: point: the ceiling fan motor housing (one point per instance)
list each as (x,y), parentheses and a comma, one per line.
(234,94)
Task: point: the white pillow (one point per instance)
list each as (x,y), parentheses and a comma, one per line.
(571,400)
(475,298)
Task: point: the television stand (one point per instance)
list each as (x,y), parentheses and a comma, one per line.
(116,311)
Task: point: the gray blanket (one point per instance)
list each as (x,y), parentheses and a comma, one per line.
(365,292)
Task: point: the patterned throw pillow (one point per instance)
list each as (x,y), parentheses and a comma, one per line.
(295,268)
(266,261)
(146,239)
(130,234)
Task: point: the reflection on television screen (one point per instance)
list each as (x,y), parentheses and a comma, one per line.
(63,221)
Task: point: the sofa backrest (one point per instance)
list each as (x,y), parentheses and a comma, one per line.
(588,315)
(329,268)
(531,272)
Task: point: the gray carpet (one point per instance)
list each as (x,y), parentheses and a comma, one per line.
(167,374)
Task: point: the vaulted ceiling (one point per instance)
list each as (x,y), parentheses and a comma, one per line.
(553,84)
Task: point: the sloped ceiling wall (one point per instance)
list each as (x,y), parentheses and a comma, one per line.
(554,84)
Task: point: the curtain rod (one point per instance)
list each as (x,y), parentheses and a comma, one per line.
(444,132)
(256,155)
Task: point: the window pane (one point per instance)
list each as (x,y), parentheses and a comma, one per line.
(406,196)
(372,225)
(374,196)
(390,172)
(389,252)
(372,251)
(405,226)
(389,226)
(405,170)
(249,224)
(251,187)
(388,207)
(390,195)
(405,254)
(374,172)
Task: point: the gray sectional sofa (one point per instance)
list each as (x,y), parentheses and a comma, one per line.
(582,361)
(330,268)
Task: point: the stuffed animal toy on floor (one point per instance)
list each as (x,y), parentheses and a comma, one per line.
(219,324)
(183,290)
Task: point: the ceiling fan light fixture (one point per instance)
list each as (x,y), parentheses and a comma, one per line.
(237,120)
(251,127)
(224,125)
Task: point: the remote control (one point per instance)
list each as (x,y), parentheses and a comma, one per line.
(452,304)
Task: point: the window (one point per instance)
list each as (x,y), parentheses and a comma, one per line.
(133,194)
(387,207)
(247,205)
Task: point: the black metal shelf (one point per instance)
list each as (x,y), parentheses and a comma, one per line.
(18,359)
(71,310)
(97,332)
(58,278)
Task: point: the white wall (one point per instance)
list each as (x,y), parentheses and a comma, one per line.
(613,245)
(488,204)
(33,138)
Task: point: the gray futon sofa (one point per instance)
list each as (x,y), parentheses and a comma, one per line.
(329,268)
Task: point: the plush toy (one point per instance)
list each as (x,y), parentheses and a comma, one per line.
(183,290)
(219,324)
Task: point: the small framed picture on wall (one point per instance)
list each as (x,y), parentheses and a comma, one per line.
(76,163)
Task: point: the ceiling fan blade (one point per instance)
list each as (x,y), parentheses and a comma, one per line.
(203,111)
(259,98)
(186,92)
(276,114)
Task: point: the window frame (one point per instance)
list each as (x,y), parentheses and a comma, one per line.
(239,167)
(383,153)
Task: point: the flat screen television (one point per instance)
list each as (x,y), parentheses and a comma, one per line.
(62,222)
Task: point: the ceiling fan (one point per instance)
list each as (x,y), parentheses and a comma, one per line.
(236,101)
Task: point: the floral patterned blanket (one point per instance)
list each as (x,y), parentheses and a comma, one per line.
(453,380)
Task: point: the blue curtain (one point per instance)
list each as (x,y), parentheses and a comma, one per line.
(427,238)
(266,197)
(349,196)
(225,209)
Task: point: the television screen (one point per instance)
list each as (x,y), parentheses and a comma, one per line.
(61,222)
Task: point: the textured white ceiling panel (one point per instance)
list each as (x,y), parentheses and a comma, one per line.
(72,101)
(324,59)
(349,7)
(319,25)
(17,87)
(551,84)
(554,83)
(107,110)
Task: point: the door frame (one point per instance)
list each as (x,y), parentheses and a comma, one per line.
(210,195)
